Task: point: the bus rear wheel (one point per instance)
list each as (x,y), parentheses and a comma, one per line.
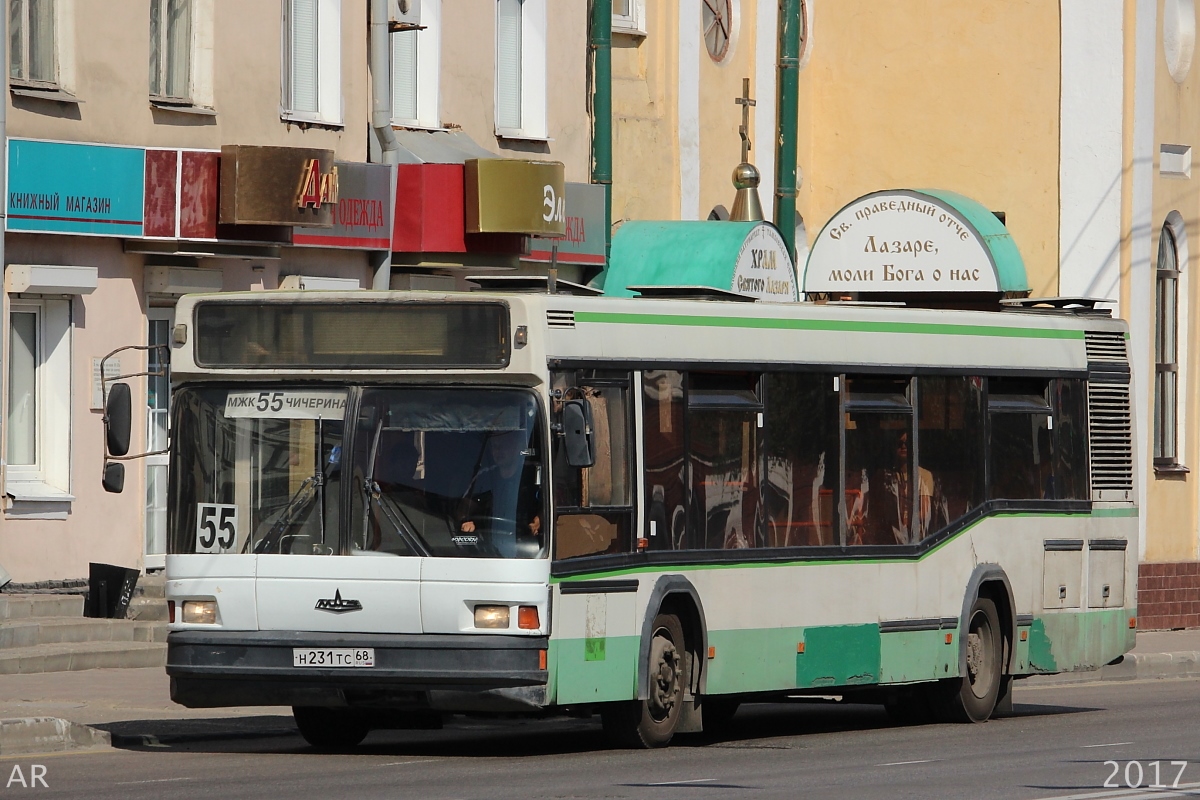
(973,697)
(652,722)
(330,728)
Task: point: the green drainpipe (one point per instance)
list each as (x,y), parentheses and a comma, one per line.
(788,107)
(602,110)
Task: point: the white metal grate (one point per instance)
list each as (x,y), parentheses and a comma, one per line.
(1105,346)
(1111,437)
(560,319)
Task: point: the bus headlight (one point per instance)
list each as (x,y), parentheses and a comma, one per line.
(491,616)
(200,612)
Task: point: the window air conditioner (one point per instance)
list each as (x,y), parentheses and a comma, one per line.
(404,15)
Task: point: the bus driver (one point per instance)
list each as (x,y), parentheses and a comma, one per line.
(501,498)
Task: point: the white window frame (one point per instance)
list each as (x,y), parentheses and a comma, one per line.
(429,68)
(21,7)
(200,60)
(1168,443)
(328,64)
(64,52)
(633,23)
(49,477)
(165,54)
(533,75)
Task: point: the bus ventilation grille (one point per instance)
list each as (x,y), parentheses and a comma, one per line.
(1107,346)
(1111,439)
(560,319)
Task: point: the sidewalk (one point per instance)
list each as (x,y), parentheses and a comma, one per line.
(53,711)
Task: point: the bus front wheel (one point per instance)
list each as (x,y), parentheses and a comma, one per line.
(330,728)
(652,722)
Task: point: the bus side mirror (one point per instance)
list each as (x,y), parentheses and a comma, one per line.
(577,431)
(114,477)
(118,415)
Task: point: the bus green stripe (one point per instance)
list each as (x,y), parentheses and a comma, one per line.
(1125,511)
(839,325)
(801,562)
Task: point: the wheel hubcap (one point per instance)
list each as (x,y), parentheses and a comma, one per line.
(664,679)
(980,663)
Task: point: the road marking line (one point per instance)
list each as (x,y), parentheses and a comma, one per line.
(404,763)
(902,763)
(1143,793)
(680,783)
(154,780)
(1110,744)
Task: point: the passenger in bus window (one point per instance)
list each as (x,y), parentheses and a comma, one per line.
(500,495)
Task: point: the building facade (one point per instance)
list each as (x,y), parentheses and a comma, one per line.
(174,146)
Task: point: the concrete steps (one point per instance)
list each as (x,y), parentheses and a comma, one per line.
(48,633)
(77,630)
(72,656)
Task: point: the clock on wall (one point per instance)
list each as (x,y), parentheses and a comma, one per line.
(717,19)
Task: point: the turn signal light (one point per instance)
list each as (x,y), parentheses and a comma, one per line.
(491,616)
(200,612)
(527,618)
(170,611)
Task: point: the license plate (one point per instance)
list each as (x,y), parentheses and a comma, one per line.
(333,657)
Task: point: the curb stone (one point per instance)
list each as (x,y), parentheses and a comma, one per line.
(48,735)
(1131,667)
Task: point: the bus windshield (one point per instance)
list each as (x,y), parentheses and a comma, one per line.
(448,472)
(426,472)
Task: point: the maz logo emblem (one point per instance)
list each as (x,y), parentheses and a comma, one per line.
(337,605)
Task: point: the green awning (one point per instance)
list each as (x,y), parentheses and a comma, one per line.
(743,257)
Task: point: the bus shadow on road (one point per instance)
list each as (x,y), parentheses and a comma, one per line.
(765,725)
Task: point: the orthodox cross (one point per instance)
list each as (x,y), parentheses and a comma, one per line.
(744,129)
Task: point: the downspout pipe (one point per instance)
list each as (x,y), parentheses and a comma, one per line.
(601,46)
(380,64)
(788,122)
(379,61)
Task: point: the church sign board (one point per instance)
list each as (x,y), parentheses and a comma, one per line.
(905,240)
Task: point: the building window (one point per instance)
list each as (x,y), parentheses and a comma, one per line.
(1166,362)
(416,67)
(39,398)
(171,49)
(629,16)
(312,71)
(31,53)
(521,69)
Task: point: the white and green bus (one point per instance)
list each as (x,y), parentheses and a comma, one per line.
(386,506)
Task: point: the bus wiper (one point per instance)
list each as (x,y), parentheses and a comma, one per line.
(297,503)
(312,486)
(372,493)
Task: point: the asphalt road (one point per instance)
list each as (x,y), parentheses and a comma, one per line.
(1056,746)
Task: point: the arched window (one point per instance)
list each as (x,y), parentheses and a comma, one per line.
(1166,349)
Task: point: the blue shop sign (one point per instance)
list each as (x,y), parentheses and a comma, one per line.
(59,187)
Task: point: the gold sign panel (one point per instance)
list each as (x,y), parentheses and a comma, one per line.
(277,186)
(509,195)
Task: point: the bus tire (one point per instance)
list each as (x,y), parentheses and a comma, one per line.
(330,728)
(648,723)
(973,697)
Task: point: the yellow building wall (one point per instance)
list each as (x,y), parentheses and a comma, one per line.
(1171,504)
(961,96)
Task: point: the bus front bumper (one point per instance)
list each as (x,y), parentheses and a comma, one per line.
(211,669)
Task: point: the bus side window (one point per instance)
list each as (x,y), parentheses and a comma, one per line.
(594,505)
(1069,401)
(665,470)
(801,476)
(950,445)
(1020,440)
